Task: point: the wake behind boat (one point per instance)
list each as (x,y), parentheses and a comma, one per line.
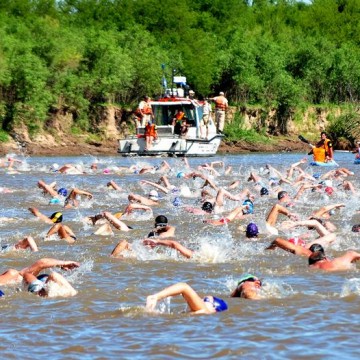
(170,141)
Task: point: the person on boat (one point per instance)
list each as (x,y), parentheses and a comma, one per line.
(150,135)
(184,128)
(248,287)
(145,111)
(197,305)
(205,121)
(221,105)
(323,150)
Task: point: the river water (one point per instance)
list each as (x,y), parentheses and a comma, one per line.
(304,314)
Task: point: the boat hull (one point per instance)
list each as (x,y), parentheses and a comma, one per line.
(329,163)
(170,146)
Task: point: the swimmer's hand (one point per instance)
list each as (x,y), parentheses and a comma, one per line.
(150,242)
(69,265)
(151,302)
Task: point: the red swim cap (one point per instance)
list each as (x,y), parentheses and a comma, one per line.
(297,241)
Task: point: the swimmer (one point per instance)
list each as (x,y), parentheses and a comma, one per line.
(15,276)
(197,305)
(114,221)
(113,186)
(27,243)
(151,200)
(273,215)
(239,212)
(248,287)
(162,228)
(72,199)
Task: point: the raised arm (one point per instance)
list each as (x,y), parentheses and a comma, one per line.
(288,246)
(170,243)
(159,187)
(46,263)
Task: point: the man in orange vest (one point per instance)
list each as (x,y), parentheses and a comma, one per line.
(145,111)
(221,105)
(150,135)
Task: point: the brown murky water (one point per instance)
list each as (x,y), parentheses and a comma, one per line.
(304,313)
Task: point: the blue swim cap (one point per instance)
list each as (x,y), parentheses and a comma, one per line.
(250,205)
(2,293)
(316,175)
(180,174)
(218,304)
(54,201)
(62,191)
(177,201)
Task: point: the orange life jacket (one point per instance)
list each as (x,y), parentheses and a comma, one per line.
(147,110)
(150,130)
(319,154)
(179,115)
(221,103)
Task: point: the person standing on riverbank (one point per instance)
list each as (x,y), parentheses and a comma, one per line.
(221,105)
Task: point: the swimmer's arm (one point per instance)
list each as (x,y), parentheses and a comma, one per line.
(326,209)
(63,283)
(46,263)
(119,248)
(321,230)
(287,246)
(172,244)
(82,192)
(41,216)
(159,187)
(194,301)
(132,207)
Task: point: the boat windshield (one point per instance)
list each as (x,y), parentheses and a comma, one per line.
(166,114)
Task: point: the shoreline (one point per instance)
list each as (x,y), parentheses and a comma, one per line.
(77,147)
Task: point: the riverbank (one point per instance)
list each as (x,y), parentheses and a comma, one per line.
(77,146)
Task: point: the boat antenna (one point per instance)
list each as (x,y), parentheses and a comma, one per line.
(164,82)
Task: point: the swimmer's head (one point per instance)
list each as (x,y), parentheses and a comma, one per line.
(207,207)
(264,191)
(329,190)
(250,207)
(56,217)
(356,228)
(54,167)
(153,195)
(180,175)
(282,194)
(176,201)
(62,192)
(118,215)
(297,241)
(316,256)
(252,230)
(106,171)
(218,304)
(54,201)
(161,221)
(36,286)
(248,277)
(316,175)
(316,248)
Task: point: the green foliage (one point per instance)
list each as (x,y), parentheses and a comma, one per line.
(236,131)
(73,54)
(345,126)
(4,136)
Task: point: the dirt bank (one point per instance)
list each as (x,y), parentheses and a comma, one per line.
(76,146)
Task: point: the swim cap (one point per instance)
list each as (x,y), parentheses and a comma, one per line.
(160,221)
(252,230)
(54,167)
(264,191)
(316,175)
(247,277)
(54,201)
(329,190)
(2,293)
(153,195)
(62,192)
(356,228)
(56,217)
(250,206)
(297,241)
(218,304)
(282,194)
(36,286)
(207,206)
(180,174)
(316,248)
(118,215)
(106,171)
(43,277)
(177,201)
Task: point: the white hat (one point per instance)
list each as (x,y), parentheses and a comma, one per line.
(153,195)
(191,92)
(221,93)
